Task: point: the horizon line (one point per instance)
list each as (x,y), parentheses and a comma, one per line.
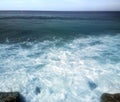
(63,10)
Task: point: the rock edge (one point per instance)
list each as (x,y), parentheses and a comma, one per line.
(106,97)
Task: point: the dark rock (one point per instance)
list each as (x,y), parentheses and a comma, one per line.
(110,97)
(11,97)
(92,85)
(22,98)
(37,90)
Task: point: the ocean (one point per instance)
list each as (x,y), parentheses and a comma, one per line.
(60,56)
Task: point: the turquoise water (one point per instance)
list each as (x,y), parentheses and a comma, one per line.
(60,56)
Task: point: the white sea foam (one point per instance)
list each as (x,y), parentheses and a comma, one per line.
(78,70)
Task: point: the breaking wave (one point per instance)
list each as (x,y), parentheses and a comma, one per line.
(78,70)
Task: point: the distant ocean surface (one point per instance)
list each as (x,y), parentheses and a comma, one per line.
(60,56)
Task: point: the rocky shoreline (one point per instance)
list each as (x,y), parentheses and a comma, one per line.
(11,97)
(17,97)
(106,97)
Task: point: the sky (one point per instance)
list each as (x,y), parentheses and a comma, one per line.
(61,5)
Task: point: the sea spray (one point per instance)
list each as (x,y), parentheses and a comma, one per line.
(78,70)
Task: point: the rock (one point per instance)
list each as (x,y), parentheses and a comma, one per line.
(11,97)
(37,90)
(110,97)
(92,85)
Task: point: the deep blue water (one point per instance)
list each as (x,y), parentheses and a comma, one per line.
(60,56)
(22,26)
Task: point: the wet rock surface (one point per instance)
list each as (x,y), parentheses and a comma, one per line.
(37,90)
(110,97)
(11,97)
(92,85)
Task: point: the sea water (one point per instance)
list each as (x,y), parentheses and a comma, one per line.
(60,56)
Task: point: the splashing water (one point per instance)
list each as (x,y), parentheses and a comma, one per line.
(78,70)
